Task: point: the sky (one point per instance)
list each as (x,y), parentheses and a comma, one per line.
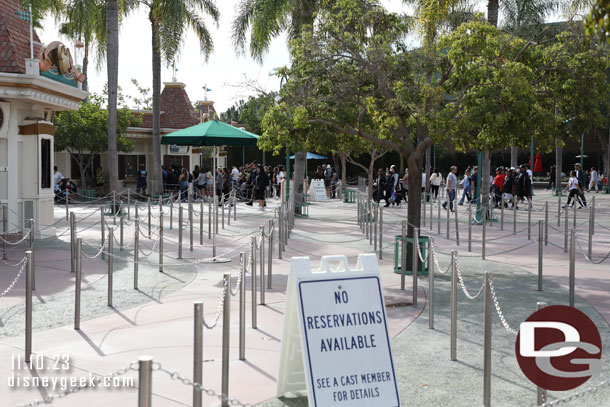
(222,72)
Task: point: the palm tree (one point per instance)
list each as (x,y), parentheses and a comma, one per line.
(169,20)
(112,66)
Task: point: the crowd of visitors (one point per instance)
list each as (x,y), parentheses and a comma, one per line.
(509,186)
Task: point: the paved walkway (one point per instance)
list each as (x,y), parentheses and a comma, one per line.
(157,320)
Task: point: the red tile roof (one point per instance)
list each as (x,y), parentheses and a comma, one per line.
(177,112)
(14,38)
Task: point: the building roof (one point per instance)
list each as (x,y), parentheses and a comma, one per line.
(14,38)
(177,111)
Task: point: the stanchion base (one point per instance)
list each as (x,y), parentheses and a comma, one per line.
(218,260)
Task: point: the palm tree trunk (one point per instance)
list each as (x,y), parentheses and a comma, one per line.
(112,63)
(300,161)
(156,95)
(85,66)
(492,12)
(485,172)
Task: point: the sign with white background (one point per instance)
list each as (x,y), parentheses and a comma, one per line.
(342,338)
(317,191)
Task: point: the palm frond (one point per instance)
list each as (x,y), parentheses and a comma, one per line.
(241,24)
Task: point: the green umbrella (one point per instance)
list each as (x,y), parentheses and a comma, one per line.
(211,133)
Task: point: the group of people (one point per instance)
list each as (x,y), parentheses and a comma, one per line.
(252,182)
(329,176)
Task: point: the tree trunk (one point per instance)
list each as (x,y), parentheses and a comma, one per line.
(492,12)
(371,173)
(558,165)
(85,66)
(156,96)
(485,164)
(343,171)
(514,152)
(112,63)
(82,170)
(300,162)
(604,141)
(428,168)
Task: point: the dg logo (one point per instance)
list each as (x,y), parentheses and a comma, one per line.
(559,348)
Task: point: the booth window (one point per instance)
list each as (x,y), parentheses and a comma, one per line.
(45,163)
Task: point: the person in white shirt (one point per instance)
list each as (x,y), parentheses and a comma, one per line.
(594,180)
(435,182)
(57,176)
(574,189)
(278,180)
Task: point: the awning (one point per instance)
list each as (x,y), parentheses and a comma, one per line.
(211,133)
(311,156)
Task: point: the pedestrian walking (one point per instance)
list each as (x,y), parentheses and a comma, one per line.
(451,188)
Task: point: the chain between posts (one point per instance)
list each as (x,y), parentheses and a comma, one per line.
(582,393)
(16,264)
(27,235)
(466,293)
(587,258)
(220,308)
(439,269)
(10,287)
(101,250)
(96,381)
(497,306)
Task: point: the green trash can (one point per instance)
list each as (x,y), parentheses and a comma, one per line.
(88,195)
(423,246)
(349,196)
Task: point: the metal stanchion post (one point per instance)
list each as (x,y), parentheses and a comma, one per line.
(438,217)
(261,249)
(171,213)
(574,216)
(375,229)
(114,208)
(514,216)
(209,220)
(457,229)
(201,223)
(280,239)
(242,307)
(197,352)
(28,306)
(4,230)
(77,287)
(216,216)
(222,204)
(73,240)
(180,219)
(136,253)
(540,247)
(226,338)
(190,226)
(381,232)
(565,240)
(230,206)
(487,343)
(502,214)
(453,306)
(122,226)
(484,234)
(253,271)
(430,284)
(103,230)
(540,392)
(149,218)
(110,264)
(423,210)
(529,221)
(161,232)
(128,203)
(403,255)
(559,210)
(546,223)
(145,381)
(270,255)
(469,228)
(591,221)
(415,263)
(448,220)
(67,204)
(572,264)
(234,208)
(431,213)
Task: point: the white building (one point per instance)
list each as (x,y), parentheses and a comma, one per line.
(27,102)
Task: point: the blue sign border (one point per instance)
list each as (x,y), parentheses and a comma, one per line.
(387,334)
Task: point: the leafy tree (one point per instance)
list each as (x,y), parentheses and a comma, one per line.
(232,113)
(356,76)
(83,133)
(598,20)
(169,20)
(144,101)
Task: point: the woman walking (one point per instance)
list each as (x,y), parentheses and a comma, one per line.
(435,183)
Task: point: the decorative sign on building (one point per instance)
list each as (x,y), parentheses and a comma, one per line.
(335,341)
(317,191)
(56,63)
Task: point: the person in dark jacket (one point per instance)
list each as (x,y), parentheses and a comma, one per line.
(261,182)
(508,189)
(381,186)
(582,181)
(524,186)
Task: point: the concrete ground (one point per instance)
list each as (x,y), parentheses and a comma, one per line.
(157,318)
